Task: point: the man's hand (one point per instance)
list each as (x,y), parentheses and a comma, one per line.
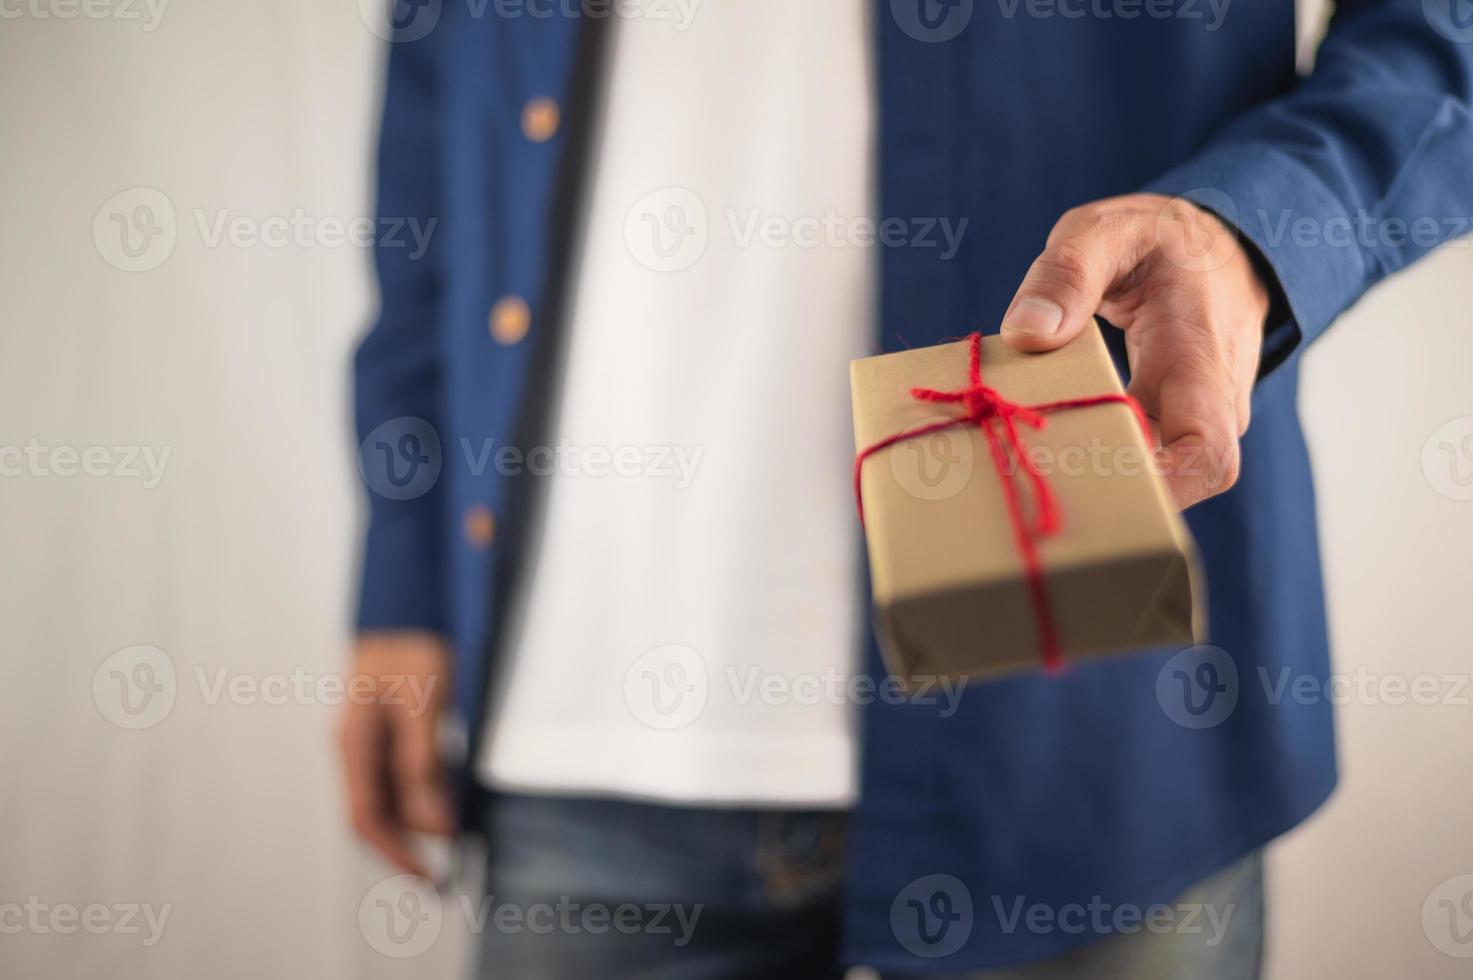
(1192,306)
(390,746)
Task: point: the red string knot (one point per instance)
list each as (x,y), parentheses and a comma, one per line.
(981,403)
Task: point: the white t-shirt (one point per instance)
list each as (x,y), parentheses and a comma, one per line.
(688,624)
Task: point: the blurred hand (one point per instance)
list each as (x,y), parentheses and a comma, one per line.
(1184,290)
(390,746)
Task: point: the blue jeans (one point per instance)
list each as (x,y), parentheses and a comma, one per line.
(609,888)
(647,891)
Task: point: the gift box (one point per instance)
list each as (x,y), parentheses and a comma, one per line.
(1012,514)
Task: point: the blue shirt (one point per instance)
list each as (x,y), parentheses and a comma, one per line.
(1117,784)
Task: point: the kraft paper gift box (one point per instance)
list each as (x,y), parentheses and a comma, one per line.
(953,594)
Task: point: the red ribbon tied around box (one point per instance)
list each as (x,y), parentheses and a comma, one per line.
(999,420)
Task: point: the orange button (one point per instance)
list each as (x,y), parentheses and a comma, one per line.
(510,319)
(540,118)
(480,526)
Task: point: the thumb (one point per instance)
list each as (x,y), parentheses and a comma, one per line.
(1067,282)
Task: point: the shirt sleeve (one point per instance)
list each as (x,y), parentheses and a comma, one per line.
(397,368)
(1360,170)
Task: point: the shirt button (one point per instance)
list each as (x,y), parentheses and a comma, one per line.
(540,118)
(510,320)
(480,527)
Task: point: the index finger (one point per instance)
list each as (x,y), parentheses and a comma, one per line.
(364,743)
(1195,404)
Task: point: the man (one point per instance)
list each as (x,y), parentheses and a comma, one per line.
(621,264)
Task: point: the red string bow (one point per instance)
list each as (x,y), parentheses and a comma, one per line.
(999,419)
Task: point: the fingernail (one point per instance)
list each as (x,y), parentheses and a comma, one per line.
(1035,317)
